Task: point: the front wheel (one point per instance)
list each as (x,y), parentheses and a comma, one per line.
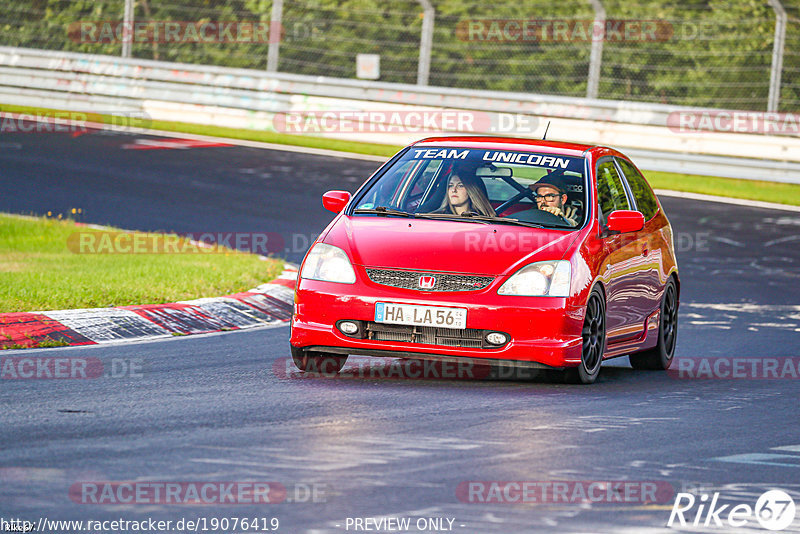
(322,363)
(594,342)
(659,358)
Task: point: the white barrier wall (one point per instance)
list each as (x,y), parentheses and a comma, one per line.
(257,100)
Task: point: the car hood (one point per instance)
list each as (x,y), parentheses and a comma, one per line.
(450,246)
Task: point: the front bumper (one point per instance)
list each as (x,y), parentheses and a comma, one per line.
(544,331)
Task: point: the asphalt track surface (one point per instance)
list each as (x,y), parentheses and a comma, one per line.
(222,408)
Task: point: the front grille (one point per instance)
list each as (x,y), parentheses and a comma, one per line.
(468,338)
(444,281)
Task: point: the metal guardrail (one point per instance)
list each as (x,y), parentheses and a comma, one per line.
(250,99)
(231,78)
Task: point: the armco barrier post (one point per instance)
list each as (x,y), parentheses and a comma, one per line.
(127,29)
(275,23)
(596,56)
(777,56)
(425,42)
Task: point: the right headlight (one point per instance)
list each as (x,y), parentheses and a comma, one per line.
(328,264)
(540,279)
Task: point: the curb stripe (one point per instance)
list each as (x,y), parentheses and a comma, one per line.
(268,304)
(181,318)
(104,325)
(170,144)
(285,283)
(29,329)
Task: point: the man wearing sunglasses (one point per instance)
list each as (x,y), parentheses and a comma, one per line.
(551,195)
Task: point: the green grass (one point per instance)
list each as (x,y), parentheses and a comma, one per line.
(777,192)
(46,343)
(727,187)
(372,149)
(39,271)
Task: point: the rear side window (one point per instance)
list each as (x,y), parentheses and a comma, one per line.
(645,199)
(610,191)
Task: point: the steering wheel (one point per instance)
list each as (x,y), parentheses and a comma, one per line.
(538,216)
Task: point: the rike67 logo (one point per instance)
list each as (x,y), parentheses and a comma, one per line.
(774,510)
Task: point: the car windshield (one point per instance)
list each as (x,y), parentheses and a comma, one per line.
(482,186)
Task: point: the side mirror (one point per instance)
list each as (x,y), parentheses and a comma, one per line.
(335,201)
(625,221)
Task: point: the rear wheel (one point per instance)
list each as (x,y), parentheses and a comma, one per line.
(594,342)
(322,363)
(660,356)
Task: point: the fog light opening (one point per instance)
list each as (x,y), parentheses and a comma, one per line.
(348,327)
(496,338)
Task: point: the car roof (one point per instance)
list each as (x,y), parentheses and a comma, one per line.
(506,143)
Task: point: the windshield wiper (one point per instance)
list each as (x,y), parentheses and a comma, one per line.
(506,220)
(501,220)
(469,216)
(383,210)
(452,217)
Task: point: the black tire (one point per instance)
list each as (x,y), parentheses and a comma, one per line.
(659,358)
(594,342)
(321,363)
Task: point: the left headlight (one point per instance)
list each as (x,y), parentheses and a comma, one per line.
(328,264)
(540,279)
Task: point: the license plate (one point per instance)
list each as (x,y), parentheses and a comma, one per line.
(411,314)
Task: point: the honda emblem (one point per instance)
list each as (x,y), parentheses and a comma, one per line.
(427,282)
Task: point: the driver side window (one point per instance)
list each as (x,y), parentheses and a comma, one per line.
(610,191)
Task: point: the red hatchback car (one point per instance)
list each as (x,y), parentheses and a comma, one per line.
(494,251)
